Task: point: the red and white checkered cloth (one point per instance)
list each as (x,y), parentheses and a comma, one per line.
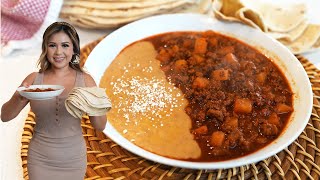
(24,21)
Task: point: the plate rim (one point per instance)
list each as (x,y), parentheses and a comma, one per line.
(46,95)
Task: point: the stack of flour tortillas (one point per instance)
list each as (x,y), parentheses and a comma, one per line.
(100,14)
(286,23)
(91,101)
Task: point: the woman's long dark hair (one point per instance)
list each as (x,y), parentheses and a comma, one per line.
(54,28)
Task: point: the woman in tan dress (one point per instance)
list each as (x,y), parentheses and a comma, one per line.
(57,149)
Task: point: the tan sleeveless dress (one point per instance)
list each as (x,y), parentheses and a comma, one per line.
(57,149)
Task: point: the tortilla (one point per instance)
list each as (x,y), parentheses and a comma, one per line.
(202,7)
(230,7)
(306,40)
(279,18)
(77,10)
(291,35)
(94,22)
(251,18)
(216,7)
(112,5)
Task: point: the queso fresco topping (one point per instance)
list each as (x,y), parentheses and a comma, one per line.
(238,99)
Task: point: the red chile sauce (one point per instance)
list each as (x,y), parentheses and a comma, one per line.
(239,100)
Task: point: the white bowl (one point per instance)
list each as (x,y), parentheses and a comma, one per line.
(106,51)
(41,95)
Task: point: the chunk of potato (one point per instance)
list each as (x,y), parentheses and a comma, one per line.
(230,123)
(283,108)
(201,130)
(180,65)
(242,105)
(163,56)
(231,60)
(261,77)
(200,82)
(200,46)
(274,119)
(217,138)
(220,74)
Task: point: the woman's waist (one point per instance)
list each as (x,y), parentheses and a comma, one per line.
(71,138)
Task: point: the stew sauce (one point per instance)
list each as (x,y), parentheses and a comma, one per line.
(238,99)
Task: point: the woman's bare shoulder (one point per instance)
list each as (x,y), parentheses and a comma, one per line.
(89,81)
(30,78)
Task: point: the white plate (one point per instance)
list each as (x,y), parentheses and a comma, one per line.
(105,52)
(41,95)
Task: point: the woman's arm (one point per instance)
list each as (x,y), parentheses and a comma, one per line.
(98,122)
(13,107)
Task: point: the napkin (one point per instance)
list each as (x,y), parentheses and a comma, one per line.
(23,22)
(91,101)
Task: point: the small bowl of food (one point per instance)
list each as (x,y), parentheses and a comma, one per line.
(191,91)
(40,92)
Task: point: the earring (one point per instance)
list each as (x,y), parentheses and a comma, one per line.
(75,59)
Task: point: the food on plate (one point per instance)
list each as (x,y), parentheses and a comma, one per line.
(110,14)
(286,23)
(147,109)
(39,90)
(198,96)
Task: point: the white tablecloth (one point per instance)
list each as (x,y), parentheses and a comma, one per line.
(14,68)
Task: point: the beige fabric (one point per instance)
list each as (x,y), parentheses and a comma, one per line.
(57,149)
(91,101)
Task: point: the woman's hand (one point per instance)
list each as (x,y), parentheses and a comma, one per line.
(23,99)
(13,107)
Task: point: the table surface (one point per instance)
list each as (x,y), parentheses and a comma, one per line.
(15,67)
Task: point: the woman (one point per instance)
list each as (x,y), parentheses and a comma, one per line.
(57,149)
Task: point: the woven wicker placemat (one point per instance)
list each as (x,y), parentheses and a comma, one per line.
(107,160)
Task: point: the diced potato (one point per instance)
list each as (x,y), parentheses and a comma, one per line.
(232,60)
(220,74)
(201,130)
(175,48)
(200,82)
(163,56)
(213,41)
(200,46)
(230,123)
(198,59)
(261,77)
(274,119)
(243,105)
(180,64)
(217,138)
(283,108)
